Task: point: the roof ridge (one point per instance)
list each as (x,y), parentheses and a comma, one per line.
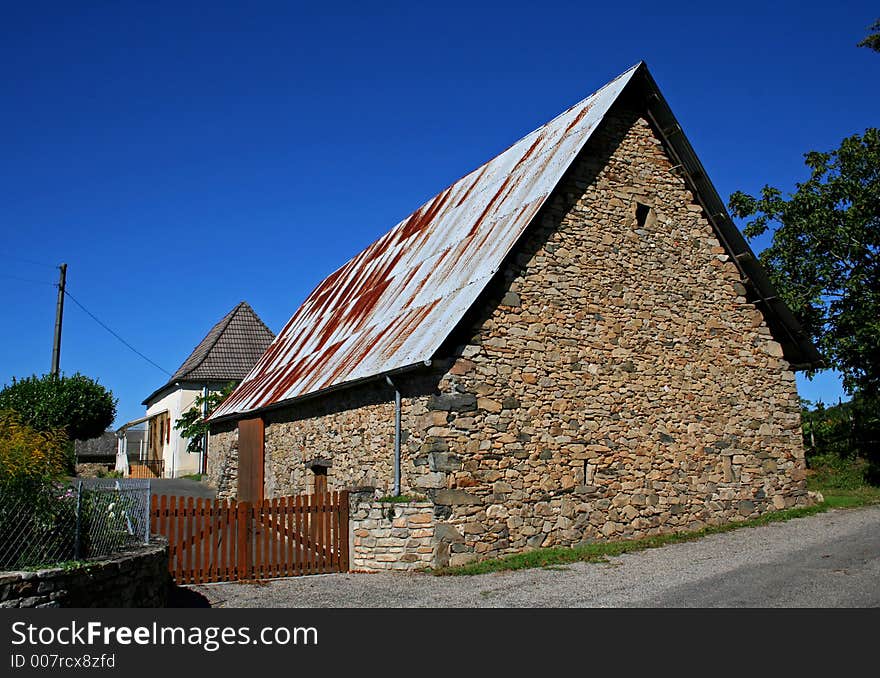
(461,178)
(228,319)
(259,319)
(389,305)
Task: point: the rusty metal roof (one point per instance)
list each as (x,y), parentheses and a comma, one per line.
(392,305)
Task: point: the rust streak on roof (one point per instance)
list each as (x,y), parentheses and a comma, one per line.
(393,304)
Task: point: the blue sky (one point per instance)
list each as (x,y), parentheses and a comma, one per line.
(182,157)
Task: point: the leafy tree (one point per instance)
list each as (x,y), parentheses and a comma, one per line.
(78,405)
(872,41)
(825,254)
(192,424)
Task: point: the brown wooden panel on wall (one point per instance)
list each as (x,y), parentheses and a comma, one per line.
(250,460)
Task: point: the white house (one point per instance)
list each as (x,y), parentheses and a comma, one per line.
(227,353)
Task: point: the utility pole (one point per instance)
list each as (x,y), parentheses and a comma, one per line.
(59,312)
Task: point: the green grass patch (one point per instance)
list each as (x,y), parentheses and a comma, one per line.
(851,498)
(836,494)
(63,565)
(193,476)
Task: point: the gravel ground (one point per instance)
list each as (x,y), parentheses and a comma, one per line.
(827,560)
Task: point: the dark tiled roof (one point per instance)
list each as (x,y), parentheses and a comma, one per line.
(227,352)
(104,445)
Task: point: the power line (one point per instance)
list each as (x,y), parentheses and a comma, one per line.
(27,280)
(27,261)
(93,317)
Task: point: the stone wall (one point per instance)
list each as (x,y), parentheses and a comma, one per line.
(93,470)
(624,384)
(614,381)
(390,535)
(221,469)
(137,578)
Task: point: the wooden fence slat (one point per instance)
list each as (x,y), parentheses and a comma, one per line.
(175,523)
(190,520)
(288,536)
(334,523)
(265,538)
(219,541)
(253,541)
(242,520)
(277,535)
(329,532)
(343,525)
(298,557)
(202,538)
(313,532)
(207,539)
(319,536)
(307,534)
(194,540)
(280,540)
(169,526)
(172,538)
(260,542)
(229,535)
(288,541)
(326,538)
(268,537)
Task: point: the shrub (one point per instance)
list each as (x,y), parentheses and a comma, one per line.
(839,473)
(77,404)
(27,455)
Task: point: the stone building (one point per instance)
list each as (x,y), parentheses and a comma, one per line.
(572,342)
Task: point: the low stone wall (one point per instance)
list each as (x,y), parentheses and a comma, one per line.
(137,578)
(93,470)
(390,536)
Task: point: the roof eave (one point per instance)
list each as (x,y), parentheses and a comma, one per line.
(799,349)
(258,412)
(182,383)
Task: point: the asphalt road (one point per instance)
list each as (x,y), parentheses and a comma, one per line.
(180,487)
(830,560)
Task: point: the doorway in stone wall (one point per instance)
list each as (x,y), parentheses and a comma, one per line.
(250,459)
(319,468)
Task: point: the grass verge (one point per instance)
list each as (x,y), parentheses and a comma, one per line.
(599,552)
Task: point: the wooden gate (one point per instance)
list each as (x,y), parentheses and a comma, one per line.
(217,540)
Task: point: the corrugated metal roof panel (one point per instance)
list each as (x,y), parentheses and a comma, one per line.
(393,304)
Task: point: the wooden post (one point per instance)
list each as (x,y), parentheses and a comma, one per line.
(243,520)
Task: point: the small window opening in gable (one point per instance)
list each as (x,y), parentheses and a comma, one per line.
(589,473)
(645,216)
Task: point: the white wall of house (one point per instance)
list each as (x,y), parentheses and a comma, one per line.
(178,462)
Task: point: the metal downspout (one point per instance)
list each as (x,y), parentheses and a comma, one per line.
(204,452)
(396,436)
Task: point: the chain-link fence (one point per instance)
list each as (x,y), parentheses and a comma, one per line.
(47,523)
